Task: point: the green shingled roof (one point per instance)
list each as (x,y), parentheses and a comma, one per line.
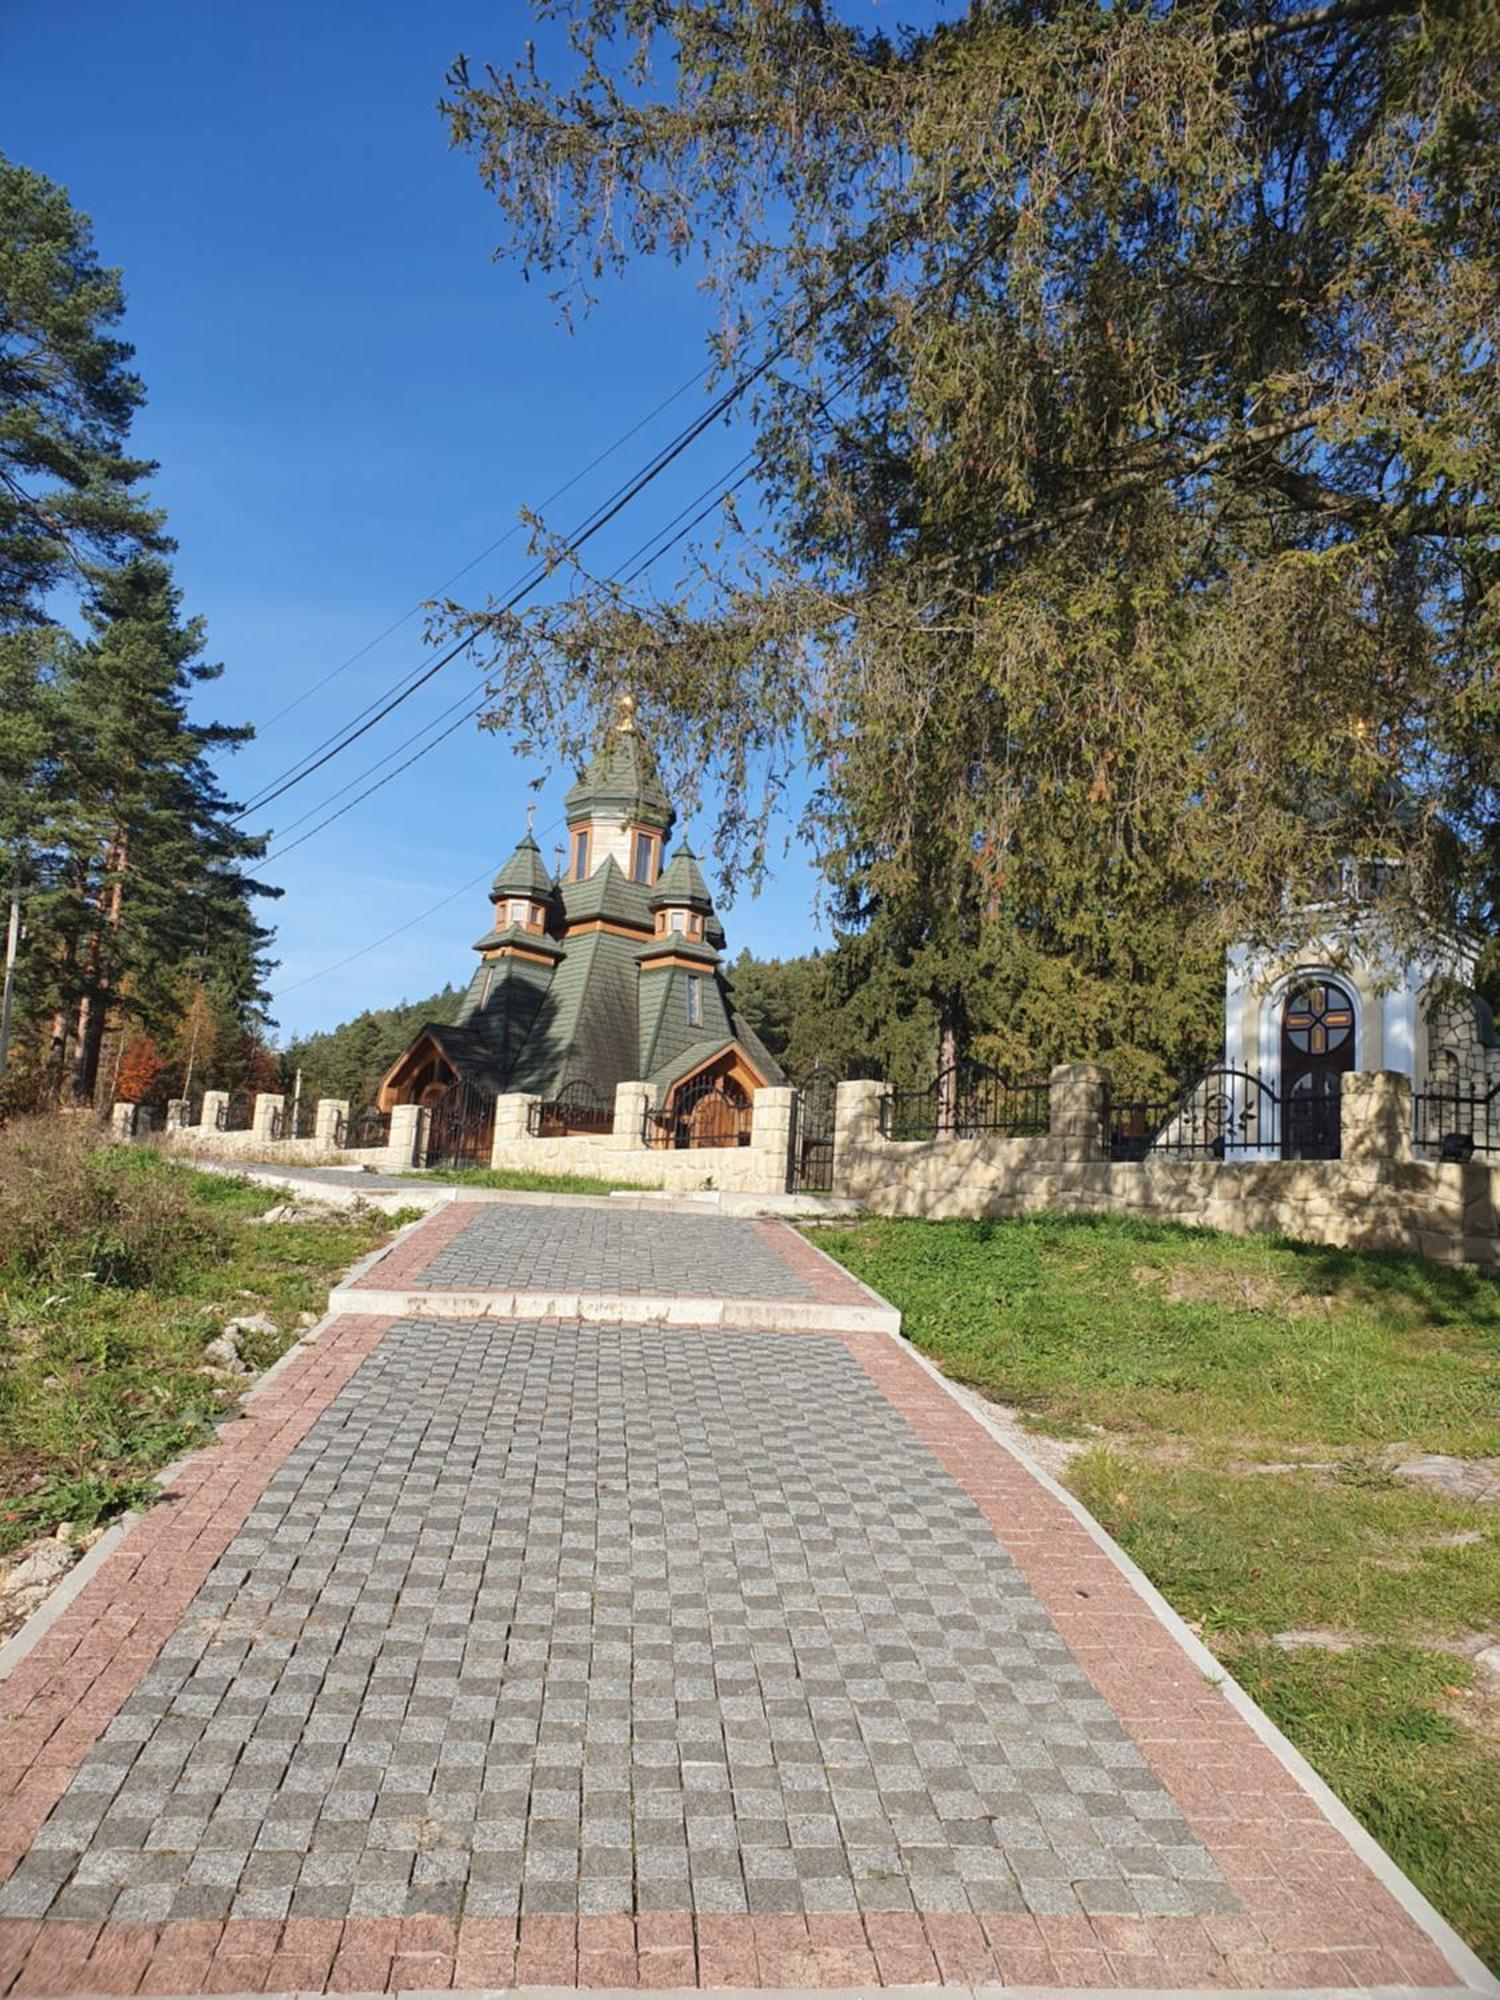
(682,885)
(586,1028)
(622,780)
(525,874)
(607,894)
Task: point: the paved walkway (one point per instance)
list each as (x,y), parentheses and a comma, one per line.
(498,1651)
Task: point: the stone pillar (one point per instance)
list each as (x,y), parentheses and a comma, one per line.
(326,1122)
(403,1147)
(122,1121)
(512,1121)
(1375,1115)
(208,1117)
(1077,1099)
(773,1120)
(856,1129)
(267,1104)
(177,1113)
(631,1100)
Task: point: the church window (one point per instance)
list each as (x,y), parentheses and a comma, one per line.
(520,912)
(695,927)
(695,1002)
(642,858)
(580,854)
(679,921)
(1319,1019)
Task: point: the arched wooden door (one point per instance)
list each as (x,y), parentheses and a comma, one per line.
(1317,1048)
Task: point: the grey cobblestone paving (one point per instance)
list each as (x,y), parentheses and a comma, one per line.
(596,1250)
(546,1619)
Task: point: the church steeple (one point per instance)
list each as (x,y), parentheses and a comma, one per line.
(680,902)
(618,809)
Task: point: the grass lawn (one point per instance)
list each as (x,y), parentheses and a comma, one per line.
(103,1383)
(1234,1404)
(526,1183)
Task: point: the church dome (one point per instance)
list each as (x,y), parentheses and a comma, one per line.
(682,886)
(622,782)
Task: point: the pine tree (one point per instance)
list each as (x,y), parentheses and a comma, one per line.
(154,871)
(69,490)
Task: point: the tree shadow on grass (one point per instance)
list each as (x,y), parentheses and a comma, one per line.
(1446,1294)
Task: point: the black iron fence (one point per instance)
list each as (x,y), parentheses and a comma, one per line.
(965,1102)
(355,1131)
(580,1107)
(280,1121)
(1456,1124)
(1228,1114)
(235,1112)
(702,1114)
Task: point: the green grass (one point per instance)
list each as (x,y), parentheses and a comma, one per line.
(101,1385)
(1235,1401)
(524,1182)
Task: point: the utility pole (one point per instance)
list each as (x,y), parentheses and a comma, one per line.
(12,947)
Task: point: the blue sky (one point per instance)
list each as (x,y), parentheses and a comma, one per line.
(349,399)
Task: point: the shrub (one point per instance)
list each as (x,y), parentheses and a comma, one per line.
(74,1205)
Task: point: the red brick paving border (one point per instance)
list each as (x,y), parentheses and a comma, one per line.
(1313,1913)
(405,1261)
(830,1281)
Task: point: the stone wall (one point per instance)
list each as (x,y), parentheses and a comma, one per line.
(1458,1058)
(1374,1198)
(255,1142)
(761,1167)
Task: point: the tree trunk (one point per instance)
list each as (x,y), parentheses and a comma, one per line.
(948,1059)
(93,1008)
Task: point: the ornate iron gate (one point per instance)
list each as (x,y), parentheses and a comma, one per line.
(460,1128)
(708,1112)
(812,1161)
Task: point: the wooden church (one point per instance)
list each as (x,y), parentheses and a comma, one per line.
(610,974)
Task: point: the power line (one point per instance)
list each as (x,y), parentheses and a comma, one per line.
(541,570)
(485,553)
(471,707)
(366,949)
(591,526)
(710,497)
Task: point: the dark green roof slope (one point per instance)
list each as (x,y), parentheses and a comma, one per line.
(673,1031)
(609,895)
(586,1030)
(497,1014)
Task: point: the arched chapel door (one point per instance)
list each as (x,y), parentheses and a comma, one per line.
(1317,1048)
